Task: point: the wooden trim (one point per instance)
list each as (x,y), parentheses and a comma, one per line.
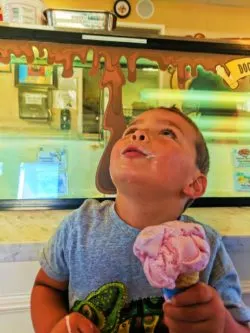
(21,303)
(14,303)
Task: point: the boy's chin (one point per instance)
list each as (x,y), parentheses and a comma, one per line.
(134,182)
(130,177)
(128,181)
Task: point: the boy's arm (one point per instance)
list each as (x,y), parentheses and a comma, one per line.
(200,309)
(232,326)
(49,308)
(48,302)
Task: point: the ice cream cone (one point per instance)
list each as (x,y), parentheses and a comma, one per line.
(169,252)
(187,280)
(183,282)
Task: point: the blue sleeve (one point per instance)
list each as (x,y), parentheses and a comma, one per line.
(54,255)
(225,280)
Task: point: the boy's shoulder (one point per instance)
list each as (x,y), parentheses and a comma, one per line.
(93,207)
(91,211)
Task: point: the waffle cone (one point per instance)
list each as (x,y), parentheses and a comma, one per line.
(187,280)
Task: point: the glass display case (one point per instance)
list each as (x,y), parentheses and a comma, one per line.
(66,98)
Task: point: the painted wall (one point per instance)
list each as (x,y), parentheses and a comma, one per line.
(178,18)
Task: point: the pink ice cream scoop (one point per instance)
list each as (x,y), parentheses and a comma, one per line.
(171,249)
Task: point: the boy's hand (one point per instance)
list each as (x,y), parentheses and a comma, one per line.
(77,324)
(198,309)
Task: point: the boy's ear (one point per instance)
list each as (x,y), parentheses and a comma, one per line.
(197,187)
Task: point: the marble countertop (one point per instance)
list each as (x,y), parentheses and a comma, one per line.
(29,226)
(23,233)
(228,221)
(37,225)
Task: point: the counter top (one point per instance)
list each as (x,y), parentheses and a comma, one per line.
(37,225)
(228,221)
(23,233)
(29,226)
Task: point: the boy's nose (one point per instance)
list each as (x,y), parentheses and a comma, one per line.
(139,135)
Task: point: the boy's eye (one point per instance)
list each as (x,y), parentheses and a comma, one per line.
(169,132)
(166,132)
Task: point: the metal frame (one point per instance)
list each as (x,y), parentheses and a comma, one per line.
(142,42)
(64,204)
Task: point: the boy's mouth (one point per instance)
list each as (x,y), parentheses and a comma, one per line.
(133,151)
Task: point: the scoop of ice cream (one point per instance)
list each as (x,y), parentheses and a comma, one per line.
(171,249)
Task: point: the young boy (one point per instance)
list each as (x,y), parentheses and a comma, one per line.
(158,167)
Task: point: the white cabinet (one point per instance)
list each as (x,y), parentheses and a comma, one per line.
(17,279)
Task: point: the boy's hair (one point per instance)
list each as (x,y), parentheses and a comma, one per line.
(202,154)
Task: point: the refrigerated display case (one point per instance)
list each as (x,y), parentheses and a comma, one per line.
(104,80)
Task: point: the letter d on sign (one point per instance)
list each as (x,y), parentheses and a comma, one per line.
(240,68)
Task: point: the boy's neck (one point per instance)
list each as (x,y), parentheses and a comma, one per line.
(140,213)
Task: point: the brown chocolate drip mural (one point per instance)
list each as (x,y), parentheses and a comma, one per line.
(112,78)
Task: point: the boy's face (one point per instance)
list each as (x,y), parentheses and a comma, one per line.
(157,151)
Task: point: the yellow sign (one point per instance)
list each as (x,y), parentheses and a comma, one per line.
(234,70)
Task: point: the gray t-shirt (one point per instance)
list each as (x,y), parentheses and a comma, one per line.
(93,249)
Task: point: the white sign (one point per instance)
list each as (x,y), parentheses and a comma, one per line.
(1,168)
(64,99)
(34,98)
